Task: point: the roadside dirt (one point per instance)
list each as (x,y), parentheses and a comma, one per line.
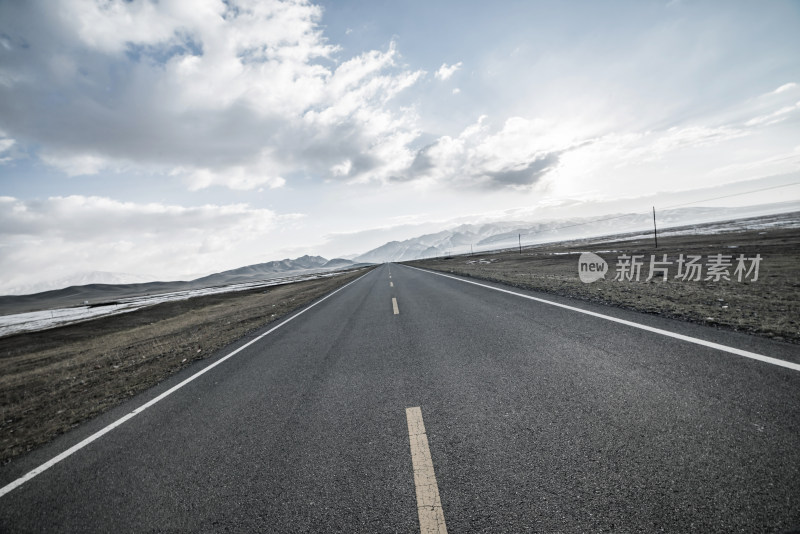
(51,381)
(769,306)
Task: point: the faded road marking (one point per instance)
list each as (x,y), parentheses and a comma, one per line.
(394,306)
(391,284)
(429,506)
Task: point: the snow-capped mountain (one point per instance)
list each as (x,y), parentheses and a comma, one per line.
(242,274)
(491,236)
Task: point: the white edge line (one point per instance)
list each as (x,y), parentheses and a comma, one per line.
(100,433)
(711,344)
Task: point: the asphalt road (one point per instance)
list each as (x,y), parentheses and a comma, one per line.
(538,419)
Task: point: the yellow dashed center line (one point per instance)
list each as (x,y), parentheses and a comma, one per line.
(429,506)
(394,306)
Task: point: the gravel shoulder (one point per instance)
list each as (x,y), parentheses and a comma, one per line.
(52,380)
(768,306)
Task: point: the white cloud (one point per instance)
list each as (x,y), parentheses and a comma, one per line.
(692,137)
(527,154)
(785,88)
(638,148)
(774,117)
(342,169)
(236,177)
(775,164)
(517,156)
(446,71)
(56,237)
(236,94)
(6,144)
(249,94)
(8,148)
(76,164)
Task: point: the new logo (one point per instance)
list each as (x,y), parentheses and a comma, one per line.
(591,267)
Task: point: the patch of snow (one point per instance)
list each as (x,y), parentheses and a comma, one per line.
(42,320)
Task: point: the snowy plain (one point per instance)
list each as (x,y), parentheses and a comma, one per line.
(44,319)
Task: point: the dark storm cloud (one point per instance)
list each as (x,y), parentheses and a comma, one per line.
(531,173)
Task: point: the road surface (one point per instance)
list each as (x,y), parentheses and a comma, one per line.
(536,419)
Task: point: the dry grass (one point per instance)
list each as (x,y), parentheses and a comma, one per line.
(51,381)
(767,307)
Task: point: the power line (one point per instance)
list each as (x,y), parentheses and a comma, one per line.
(593,221)
(733,195)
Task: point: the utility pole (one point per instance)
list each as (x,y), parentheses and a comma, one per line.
(520,243)
(655,230)
(470,249)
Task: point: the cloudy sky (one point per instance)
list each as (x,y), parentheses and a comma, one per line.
(190,136)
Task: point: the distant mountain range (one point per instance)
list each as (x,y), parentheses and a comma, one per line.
(112,286)
(471,237)
(269,269)
(82,279)
(241,274)
(458,240)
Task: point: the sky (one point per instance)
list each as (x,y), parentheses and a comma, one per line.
(173,139)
